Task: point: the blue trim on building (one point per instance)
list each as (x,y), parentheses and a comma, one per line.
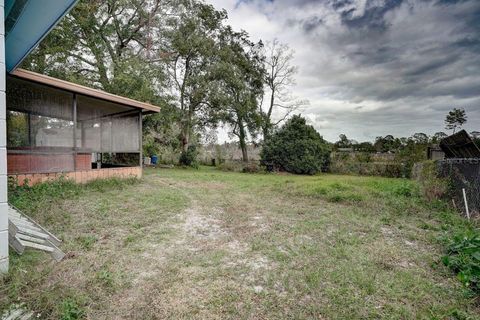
(29,24)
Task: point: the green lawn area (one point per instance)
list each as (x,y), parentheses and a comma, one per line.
(206,244)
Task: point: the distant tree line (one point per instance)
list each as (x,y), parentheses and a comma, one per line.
(388,143)
(454,120)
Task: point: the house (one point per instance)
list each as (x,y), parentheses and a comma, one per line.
(51,128)
(57,128)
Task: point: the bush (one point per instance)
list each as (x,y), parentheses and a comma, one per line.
(150,148)
(296,148)
(189,157)
(390,170)
(433,187)
(232,166)
(251,167)
(463,257)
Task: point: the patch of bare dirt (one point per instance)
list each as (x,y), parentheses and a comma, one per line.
(197,230)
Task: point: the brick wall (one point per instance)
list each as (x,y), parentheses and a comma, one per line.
(84,161)
(29,163)
(83,176)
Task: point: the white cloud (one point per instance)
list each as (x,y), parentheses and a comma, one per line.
(374,67)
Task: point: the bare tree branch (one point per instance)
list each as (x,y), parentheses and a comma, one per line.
(279,79)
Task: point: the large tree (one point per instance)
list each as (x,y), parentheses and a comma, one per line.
(239,84)
(104,44)
(455,119)
(189,56)
(279,78)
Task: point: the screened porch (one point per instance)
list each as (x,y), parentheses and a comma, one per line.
(51,129)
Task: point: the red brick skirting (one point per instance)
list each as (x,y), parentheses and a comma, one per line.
(79,176)
(31,162)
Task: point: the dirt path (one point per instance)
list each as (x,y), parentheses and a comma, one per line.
(201,255)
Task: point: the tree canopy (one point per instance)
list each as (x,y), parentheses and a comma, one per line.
(455,119)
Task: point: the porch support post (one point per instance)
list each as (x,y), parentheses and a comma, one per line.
(74,110)
(3,153)
(140,137)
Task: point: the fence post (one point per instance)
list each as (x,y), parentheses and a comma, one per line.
(466,203)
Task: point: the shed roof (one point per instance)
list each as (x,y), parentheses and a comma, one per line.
(459,145)
(76,88)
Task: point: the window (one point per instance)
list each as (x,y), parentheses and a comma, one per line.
(17,130)
(40,117)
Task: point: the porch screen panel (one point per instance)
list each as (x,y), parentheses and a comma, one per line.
(40,128)
(125,132)
(106,127)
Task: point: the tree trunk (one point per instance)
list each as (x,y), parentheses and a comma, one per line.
(185,140)
(243,145)
(185,135)
(186,113)
(267,125)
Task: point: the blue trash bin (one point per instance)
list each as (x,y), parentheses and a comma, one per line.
(154,160)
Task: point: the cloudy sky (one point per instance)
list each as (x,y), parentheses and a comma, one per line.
(374,67)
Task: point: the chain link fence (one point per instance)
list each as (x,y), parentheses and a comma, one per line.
(464,177)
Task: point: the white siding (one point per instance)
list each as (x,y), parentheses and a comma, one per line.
(3,153)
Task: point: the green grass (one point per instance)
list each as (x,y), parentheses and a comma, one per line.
(216,245)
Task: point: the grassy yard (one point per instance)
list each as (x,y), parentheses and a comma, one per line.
(205,244)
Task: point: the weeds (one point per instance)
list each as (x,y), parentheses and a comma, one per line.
(70,310)
(87,242)
(106,277)
(463,257)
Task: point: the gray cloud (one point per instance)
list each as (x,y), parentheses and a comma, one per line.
(373,67)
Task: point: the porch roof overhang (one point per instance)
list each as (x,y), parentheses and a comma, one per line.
(27,22)
(79,89)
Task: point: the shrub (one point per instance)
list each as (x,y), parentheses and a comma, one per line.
(364,164)
(232,166)
(189,157)
(251,167)
(433,187)
(463,257)
(150,147)
(296,148)
(405,190)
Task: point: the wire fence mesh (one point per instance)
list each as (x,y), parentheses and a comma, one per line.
(463,174)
